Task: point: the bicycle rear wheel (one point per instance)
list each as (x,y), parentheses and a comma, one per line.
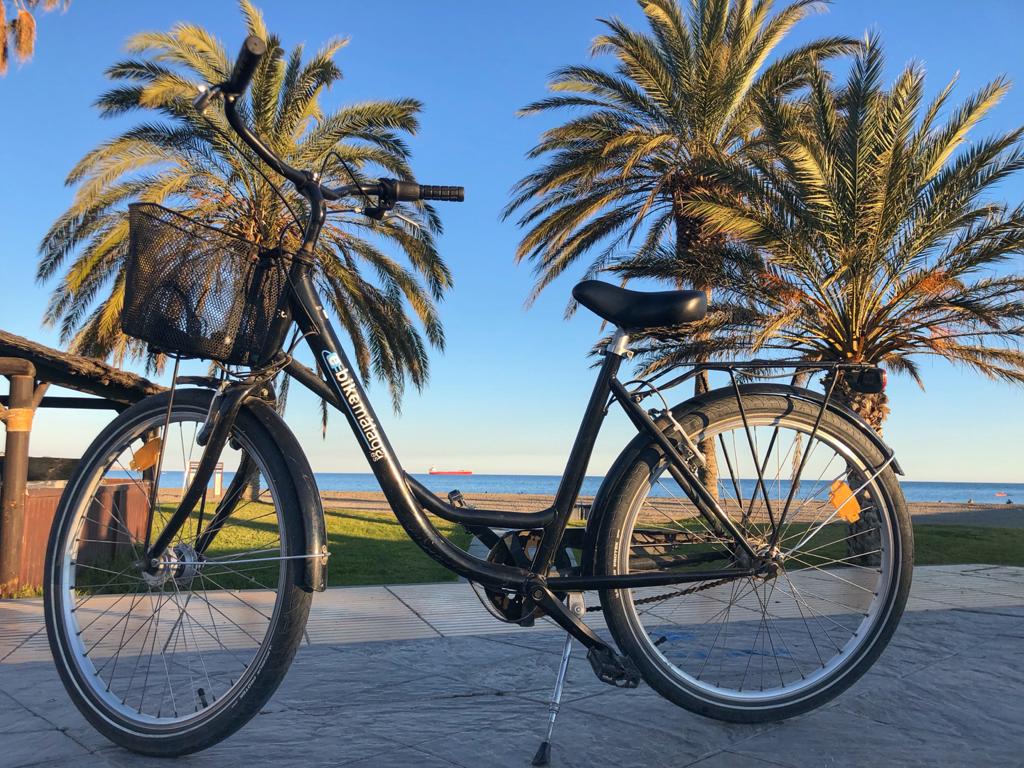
(171,662)
(768,647)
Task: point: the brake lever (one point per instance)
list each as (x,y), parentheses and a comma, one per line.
(377,213)
(406,219)
(204,97)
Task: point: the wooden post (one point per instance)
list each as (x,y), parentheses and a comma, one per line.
(17,419)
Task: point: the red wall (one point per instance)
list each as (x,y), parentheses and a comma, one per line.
(115,501)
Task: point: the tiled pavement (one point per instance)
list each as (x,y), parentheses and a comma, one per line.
(421,676)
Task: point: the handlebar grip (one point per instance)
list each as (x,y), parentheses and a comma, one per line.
(396,190)
(245,65)
(448,194)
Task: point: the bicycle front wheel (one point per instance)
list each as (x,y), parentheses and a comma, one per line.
(172,661)
(770,646)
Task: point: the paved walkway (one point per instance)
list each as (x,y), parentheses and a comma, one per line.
(420,675)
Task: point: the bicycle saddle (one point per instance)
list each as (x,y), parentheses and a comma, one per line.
(636,310)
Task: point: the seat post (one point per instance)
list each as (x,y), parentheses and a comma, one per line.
(619,345)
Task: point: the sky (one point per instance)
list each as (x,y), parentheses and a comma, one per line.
(506,395)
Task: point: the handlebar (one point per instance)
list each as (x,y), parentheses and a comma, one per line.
(245,65)
(387,191)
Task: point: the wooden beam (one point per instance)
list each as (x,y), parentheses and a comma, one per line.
(83,374)
(75,403)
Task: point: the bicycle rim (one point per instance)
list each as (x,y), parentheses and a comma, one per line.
(756,641)
(170,649)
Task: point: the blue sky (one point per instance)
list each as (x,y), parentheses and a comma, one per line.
(507,394)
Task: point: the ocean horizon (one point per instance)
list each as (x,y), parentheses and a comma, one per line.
(914,490)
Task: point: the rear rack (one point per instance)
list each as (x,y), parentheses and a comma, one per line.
(771,369)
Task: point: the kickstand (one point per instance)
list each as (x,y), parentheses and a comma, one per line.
(544,750)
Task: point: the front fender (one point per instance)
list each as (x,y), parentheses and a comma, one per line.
(638,444)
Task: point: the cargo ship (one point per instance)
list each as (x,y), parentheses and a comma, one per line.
(436,471)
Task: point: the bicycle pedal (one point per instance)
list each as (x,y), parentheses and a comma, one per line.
(613,668)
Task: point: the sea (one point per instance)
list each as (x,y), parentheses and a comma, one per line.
(979,493)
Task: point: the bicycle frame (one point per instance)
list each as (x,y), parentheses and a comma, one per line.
(408,498)
(411,501)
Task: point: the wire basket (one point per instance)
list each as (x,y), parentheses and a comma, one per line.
(194,291)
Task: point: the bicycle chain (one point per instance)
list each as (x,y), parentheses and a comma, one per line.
(677,593)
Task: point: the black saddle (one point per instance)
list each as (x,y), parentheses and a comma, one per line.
(635,310)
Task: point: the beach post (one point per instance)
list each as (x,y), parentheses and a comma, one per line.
(218,477)
(17,418)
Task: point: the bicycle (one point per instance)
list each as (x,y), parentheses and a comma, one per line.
(173,616)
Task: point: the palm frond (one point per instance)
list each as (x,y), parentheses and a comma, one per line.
(178,158)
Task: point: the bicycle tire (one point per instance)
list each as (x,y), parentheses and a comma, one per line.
(700,417)
(261,677)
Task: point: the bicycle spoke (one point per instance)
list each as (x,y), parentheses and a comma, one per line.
(169,643)
(782,629)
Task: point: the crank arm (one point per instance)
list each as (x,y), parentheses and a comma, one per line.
(609,665)
(560,613)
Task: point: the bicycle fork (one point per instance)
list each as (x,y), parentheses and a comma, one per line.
(214,436)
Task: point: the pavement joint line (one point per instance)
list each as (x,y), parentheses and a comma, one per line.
(989,591)
(987,612)
(21,644)
(926,666)
(611,716)
(67,733)
(393,746)
(415,612)
(768,727)
(704,757)
(888,724)
(584,697)
(506,641)
(727,751)
(738,756)
(416,745)
(435,755)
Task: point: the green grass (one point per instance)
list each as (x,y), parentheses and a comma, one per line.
(933,544)
(954,544)
(365,548)
(372,548)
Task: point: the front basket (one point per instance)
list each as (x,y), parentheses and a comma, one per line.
(194,291)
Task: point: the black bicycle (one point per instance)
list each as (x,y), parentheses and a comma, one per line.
(173,612)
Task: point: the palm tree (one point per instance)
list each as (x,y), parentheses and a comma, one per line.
(618,173)
(21,30)
(874,234)
(193,163)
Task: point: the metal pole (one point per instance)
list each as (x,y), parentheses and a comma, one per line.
(18,422)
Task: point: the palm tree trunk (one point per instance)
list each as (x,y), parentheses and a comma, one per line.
(688,233)
(864,536)
(254,485)
(708,474)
